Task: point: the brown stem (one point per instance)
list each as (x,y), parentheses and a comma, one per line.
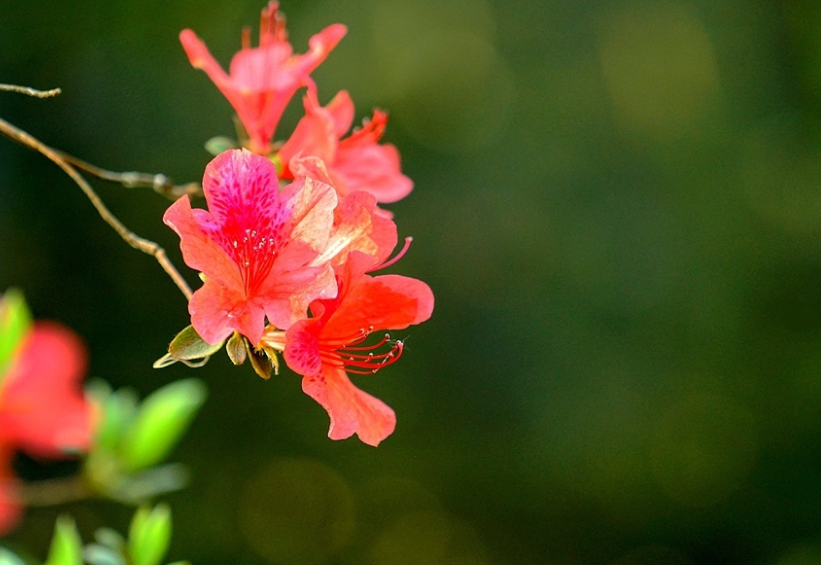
(132,239)
(131,179)
(55,491)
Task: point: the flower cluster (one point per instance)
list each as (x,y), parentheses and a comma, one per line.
(286,266)
(42,408)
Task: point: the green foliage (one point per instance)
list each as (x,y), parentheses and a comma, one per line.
(15,321)
(9,558)
(66,546)
(133,438)
(160,422)
(149,535)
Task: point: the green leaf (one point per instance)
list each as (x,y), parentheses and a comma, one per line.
(9,558)
(96,554)
(160,422)
(236,348)
(15,322)
(187,346)
(149,535)
(66,546)
(117,412)
(217,145)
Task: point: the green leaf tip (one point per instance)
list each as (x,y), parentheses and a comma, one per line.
(66,546)
(15,322)
(149,535)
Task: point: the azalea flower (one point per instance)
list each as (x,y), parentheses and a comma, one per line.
(357,162)
(256,246)
(328,346)
(263,79)
(42,408)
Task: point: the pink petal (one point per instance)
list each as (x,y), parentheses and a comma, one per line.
(218,311)
(351,410)
(373,168)
(302,347)
(199,250)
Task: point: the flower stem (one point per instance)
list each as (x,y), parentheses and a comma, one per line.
(55,491)
(59,159)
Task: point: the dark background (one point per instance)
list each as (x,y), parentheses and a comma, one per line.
(617,205)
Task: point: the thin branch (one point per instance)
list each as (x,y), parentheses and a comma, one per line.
(30,91)
(55,491)
(132,239)
(131,179)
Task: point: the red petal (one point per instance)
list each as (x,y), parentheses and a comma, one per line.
(42,407)
(351,410)
(388,302)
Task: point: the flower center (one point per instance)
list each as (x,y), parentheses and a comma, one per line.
(254,253)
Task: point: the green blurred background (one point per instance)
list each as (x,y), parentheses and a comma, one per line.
(618,206)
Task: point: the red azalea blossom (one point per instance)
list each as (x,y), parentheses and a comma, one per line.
(256,245)
(328,346)
(42,408)
(263,79)
(357,162)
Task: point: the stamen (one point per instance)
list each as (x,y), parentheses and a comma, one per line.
(398,256)
(353,357)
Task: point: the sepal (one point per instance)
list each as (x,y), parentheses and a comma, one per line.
(189,348)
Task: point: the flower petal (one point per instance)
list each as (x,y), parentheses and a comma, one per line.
(199,250)
(42,408)
(217,311)
(351,410)
(387,302)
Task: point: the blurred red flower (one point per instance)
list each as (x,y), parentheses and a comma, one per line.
(42,408)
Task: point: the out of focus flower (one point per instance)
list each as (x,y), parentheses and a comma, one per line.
(332,344)
(263,79)
(255,245)
(358,162)
(42,408)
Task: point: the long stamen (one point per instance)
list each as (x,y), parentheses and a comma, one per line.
(348,353)
(396,258)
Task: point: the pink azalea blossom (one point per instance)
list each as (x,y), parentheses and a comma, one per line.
(330,345)
(358,162)
(255,245)
(42,408)
(263,79)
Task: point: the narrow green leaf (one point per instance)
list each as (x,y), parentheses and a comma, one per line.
(150,535)
(160,422)
(15,322)
(66,546)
